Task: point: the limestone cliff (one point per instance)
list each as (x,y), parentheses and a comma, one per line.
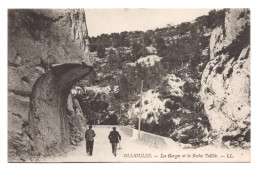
(225,84)
(47,55)
(77,120)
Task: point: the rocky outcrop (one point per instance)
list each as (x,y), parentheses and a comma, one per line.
(77,122)
(225,84)
(47,54)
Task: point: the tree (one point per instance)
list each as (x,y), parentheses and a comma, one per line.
(216,18)
(160,45)
(138,50)
(101,50)
(115,40)
(123,88)
(123,39)
(147,40)
(92,44)
(104,39)
(114,61)
(92,47)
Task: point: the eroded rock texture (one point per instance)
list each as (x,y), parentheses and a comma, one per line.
(225,84)
(51,128)
(78,122)
(47,54)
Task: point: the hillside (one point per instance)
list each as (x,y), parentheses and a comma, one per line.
(174,64)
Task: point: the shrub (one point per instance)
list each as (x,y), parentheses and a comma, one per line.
(138,50)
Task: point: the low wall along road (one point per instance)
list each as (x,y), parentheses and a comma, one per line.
(147,148)
(147,138)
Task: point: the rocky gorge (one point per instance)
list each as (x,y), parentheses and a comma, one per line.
(196,80)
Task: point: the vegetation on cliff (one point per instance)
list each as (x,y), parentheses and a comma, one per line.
(125,59)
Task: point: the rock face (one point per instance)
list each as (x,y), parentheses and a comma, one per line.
(77,123)
(47,55)
(225,84)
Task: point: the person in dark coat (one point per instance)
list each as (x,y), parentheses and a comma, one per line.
(89,136)
(114,138)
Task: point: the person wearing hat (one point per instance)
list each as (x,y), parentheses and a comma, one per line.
(114,138)
(89,136)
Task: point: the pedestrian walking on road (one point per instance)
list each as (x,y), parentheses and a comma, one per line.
(114,138)
(89,136)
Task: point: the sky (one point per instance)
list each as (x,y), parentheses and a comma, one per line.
(117,20)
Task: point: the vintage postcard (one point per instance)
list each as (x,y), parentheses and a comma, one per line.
(129,85)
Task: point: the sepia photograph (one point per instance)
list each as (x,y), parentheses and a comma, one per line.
(129,85)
